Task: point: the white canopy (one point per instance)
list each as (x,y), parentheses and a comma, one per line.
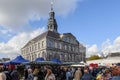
(77,65)
(82,62)
(106,61)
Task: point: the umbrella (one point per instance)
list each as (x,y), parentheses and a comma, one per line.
(39,59)
(17,60)
(56,60)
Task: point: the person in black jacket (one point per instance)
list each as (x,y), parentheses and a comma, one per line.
(25,74)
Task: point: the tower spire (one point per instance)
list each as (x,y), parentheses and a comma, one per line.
(52,24)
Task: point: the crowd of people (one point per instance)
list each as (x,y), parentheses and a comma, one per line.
(61,73)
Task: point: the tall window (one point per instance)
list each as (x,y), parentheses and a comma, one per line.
(27,50)
(50,43)
(38,45)
(73,48)
(42,44)
(58,45)
(55,44)
(65,47)
(68,39)
(32,48)
(35,56)
(35,46)
(65,39)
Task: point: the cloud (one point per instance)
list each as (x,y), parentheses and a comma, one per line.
(16,13)
(4,30)
(106,47)
(92,50)
(111,47)
(117,41)
(13,46)
(5,33)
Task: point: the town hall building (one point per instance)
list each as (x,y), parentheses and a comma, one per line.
(51,44)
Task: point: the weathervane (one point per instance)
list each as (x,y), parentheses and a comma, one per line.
(51,5)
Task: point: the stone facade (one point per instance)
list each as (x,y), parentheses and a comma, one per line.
(51,44)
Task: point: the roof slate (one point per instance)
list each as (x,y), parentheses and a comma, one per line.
(45,34)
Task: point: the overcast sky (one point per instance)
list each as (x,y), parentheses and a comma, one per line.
(95,23)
